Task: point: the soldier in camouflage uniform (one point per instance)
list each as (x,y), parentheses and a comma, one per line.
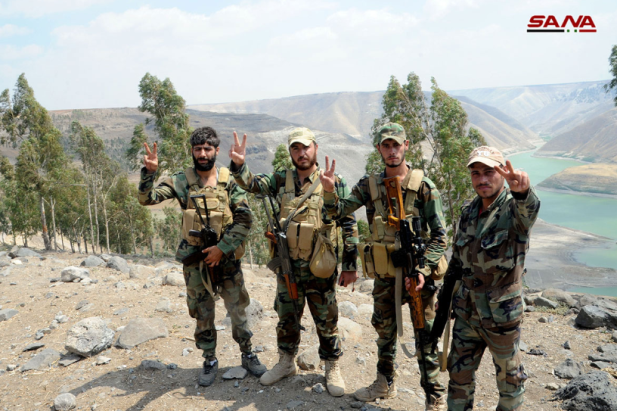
(491,242)
(420,198)
(231,218)
(288,186)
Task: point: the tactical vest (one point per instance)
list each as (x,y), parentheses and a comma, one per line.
(375,256)
(306,223)
(217,202)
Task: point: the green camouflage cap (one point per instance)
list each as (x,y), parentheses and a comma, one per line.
(392,131)
(301,135)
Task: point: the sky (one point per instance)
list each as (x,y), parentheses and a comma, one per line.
(93,53)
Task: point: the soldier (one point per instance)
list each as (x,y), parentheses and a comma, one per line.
(310,221)
(231,219)
(420,198)
(491,242)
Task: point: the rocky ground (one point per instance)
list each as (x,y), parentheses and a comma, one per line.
(49,313)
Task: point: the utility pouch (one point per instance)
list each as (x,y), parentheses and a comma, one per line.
(390,248)
(323,262)
(305,241)
(292,239)
(378,228)
(366,259)
(380,258)
(188,223)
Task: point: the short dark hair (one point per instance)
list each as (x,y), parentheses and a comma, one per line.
(205,135)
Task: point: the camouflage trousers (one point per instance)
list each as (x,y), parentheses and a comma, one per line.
(201,306)
(320,296)
(468,344)
(384,321)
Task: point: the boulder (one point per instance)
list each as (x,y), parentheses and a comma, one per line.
(70,274)
(349,330)
(594,316)
(42,360)
(164,305)
(366,286)
(545,302)
(7,313)
(309,360)
(590,392)
(140,330)
(365,309)
(65,402)
(141,271)
(92,261)
(347,309)
(560,296)
(152,365)
(175,278)
(89,337)
(118,264)
(569,369)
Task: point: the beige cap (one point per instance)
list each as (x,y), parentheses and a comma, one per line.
(486,155)
(301,135)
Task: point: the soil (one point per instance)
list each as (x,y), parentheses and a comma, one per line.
(122,385)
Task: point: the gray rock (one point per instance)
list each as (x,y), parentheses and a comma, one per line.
(26,252)
(11,367)
(61,318)
(118,264)
(560,296)
(318,388)
(356,404)
(349,330)
(92,261)
(121,311)
(5,262)
(81,304)
(33,347)
(530,299)
(567,346)
(569,369)
(614,336)
(152,365)
(175,278)
(542,320)
(67,360)
(530,309)
(89,337)
(608,348)
(552,386)
(608,357)
(164,305)
(600,365)
(590,392)
(537,351)
(594,316)
(545,302)
(102,360)
(365,309)
(235,373)
(292,405)
(5,272)
(366,286)
(587,299)
(105,257)
(70,274)
(38,335)
(42,360)
(309,360)
(165,266)
(140,330)
(7,313)
(65,402)
(347,309)
(141,271)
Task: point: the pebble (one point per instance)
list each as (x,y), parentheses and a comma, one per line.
(566,345)
(318,388)
(12,367)
(259,348)
(294,404)
(64,402)
(186,351)
(237,373)
(102,360)
(552,386)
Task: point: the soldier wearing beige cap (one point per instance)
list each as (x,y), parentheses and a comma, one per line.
(489,253)
(316,288)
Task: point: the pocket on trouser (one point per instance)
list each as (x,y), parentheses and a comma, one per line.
(507,307)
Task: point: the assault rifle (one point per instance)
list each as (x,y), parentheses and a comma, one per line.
(281,263)
(208,238)
(407,258)
(444,311)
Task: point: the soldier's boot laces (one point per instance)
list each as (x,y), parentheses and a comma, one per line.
(208,372)
(251,363)
(435,403)
(286,367)
(334,381)
(380,388)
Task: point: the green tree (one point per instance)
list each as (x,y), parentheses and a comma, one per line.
(612,61)
(171,125)
(282,159)
(169,229)
(18,206)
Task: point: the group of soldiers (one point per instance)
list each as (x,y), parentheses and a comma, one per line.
(488,253)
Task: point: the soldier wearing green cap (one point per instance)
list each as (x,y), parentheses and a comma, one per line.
(420,198)
(318,291)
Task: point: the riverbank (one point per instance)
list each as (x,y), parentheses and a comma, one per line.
(577,193)
(551,263)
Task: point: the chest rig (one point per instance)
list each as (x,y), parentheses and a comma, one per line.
(375,256)
(306,223)
(217,203)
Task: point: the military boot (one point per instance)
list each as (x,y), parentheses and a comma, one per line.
(251,363)
(334,381)
(208,372)
(286,367)
(380,388)
(435,403)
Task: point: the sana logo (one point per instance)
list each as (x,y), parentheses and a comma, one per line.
(550,24)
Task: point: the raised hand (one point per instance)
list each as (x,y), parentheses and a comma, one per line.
(237,151)
(518,180)
(151,160)
(327,177)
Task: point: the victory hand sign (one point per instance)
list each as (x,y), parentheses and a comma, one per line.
(151,160)
(518,180)
(327,177)
(237,151)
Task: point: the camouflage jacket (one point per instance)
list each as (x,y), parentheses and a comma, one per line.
(428,203)
(490,250)
(270,184)
(177,187)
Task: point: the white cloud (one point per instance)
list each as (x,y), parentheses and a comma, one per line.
(38,8)
(8,52)
(372,22)
(439,8)
(9,30)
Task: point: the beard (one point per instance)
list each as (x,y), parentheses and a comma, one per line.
(394,165)
(204,167)
(312,162)
(492,193)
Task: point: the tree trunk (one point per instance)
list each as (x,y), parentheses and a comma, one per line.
(90,215)
(62,239)
(106,225)
(53,221)
(44,224)
(96,217)
(151,248)
(85,242)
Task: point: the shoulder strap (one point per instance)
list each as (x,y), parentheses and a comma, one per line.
(415,179)
(191,178)
(376,196)
(290,187)
(223,176)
